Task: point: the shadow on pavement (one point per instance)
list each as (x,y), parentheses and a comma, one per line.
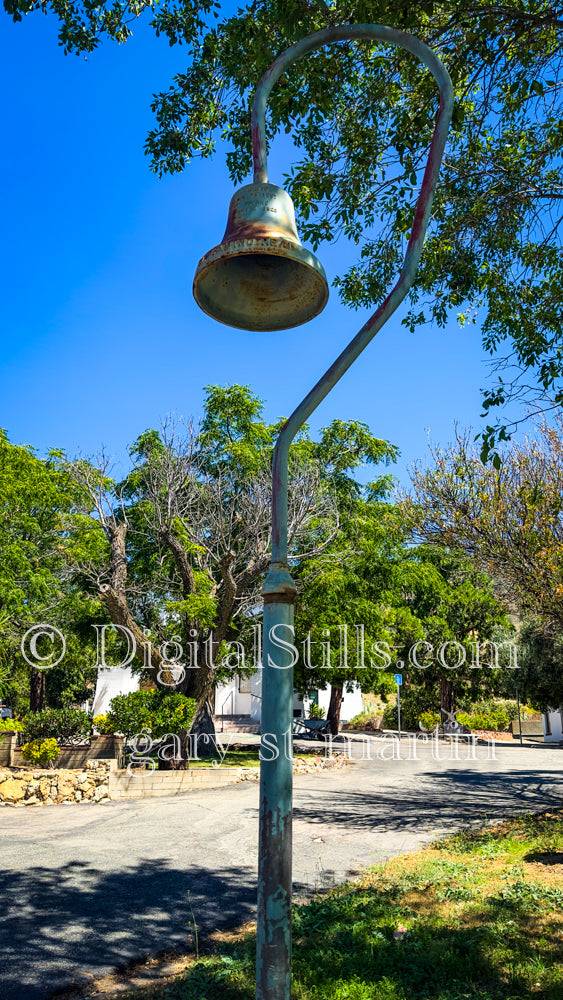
(58,923)
(441,799)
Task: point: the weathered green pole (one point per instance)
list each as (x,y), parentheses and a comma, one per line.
(273,959)
(260,269)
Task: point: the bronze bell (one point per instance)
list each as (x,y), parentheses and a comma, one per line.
(260,277)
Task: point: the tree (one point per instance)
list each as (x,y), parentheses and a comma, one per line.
(507,516)
(350,596)
(181,545)
(371,575)
(509,519)
(362,116)
(457,613)
(36,496)
(540,658)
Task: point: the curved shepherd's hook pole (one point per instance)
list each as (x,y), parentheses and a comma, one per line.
(357,32)
(273,966)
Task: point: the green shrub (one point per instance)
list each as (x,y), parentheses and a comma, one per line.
(101,723)
(67,725)
(491,705)
(429,720)
(159,711)
(316,712)
(365,720)
(390,717)
(10,725)
(493,721)
(413,703)
(409,716)
(41,752)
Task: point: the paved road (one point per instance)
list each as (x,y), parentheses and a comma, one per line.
(86,888)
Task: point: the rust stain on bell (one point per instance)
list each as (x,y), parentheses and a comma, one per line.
(260,277)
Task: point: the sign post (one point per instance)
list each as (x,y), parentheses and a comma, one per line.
(517,687)
(398,682)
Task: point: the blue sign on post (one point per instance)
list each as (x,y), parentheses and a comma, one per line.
(398,679)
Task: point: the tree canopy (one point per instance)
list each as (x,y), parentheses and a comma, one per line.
(406,598)
(36,497)
(508,520)
(180,546)
(361,116)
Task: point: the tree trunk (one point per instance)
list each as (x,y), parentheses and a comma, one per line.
(202,733)
(37,691)
(174,755)
(336,695)
(199,684)
(447,697)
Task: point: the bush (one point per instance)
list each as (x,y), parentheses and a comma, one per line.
(494,721)
(429,720)
(10,725)
(159,711)
(67,725)
(492,705)
(365,720)
(316,712)
(101,723)
(41,752)
(409,716)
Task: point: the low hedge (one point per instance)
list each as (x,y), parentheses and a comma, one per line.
(67,725)
(493,721)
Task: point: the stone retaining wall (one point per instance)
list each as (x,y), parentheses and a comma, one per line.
(49,787)
(100,781)
(530,727)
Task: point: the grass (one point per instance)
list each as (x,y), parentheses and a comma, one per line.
(239,757)
(484,917)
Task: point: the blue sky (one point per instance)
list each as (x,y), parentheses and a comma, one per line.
(101,335)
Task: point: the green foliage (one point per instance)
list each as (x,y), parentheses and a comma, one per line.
(196,607)
(402,595)
(510,708)
(68,725)
(508,518)
(38,499)
(316,712)
(192,517)
(101,724)
(41,752)
(429,720)
(540,661)
(10,725)
(495,721)
(160,712)
(233,434)
(365,720)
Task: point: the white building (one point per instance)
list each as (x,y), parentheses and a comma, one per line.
(242,696)
(552,726)
(110,682)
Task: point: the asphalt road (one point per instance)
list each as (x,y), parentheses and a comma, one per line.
(86,888)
